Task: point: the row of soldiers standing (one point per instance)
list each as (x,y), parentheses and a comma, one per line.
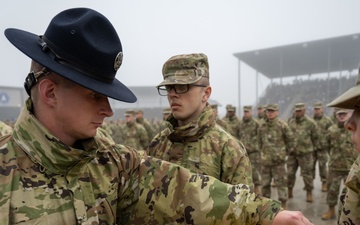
(277,148)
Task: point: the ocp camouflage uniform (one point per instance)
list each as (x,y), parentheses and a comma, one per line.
(148,129)
(276,140)
(134,135)
(44,181)
(5,129)
(203,147)
(321,155)
(248,135)
(341,156)
(350,213)
(306,135)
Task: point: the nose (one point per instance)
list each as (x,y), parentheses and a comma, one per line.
(106,109)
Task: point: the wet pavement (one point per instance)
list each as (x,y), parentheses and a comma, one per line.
(312,211)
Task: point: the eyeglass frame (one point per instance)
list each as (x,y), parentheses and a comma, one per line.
(173,86)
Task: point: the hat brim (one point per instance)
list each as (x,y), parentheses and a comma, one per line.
(27,43)
(347,100)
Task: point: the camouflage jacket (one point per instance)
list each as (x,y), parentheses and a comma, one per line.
(203,147)
(341,150)
(306,135)
(350,213)
(134,135)
(276,140)
(323,122)
(44,181)
(147,126)
(233,124)
(4,129)
(248,134)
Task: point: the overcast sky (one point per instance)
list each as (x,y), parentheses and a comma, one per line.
(151,31)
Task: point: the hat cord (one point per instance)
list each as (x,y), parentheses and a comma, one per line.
(32,78)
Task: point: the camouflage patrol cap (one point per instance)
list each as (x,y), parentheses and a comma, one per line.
(350,99)
(342,110)
(139,111)
(129,112)
(318,105)
(261,107)
(230,108)
(247,108)
(272,106)
(185,69)
(214,106)
(299,106)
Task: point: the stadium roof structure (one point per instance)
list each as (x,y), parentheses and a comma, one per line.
(305,58)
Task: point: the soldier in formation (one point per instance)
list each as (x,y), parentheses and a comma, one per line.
(307,141)
(321,154)
(341,156)
(134,134)
(276,141)
(248,135)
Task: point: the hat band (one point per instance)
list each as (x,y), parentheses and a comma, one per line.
(69,61)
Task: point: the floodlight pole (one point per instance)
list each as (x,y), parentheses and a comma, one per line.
(239,92)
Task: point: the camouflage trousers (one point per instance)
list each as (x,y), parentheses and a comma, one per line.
(305,162)
(334,180)
(321,156)
(255,165)
(278,172)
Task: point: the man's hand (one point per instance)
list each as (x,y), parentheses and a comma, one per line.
(287,217)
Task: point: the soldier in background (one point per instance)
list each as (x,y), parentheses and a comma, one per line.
(248,135)
(307,141)
(194,139)
(139,113)
(341,156)
(162,124)
(231,119)
(276,141)
(261,115)
(219,121)
(321,154)
(134,134)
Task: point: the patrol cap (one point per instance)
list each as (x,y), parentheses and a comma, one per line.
(299,106)
(318,105)
(247,108)
(261,107)
(139,111)
(350,98)
(129,112)
(272,106)
(185,69)
(214,106)
(230,108)
(341,110)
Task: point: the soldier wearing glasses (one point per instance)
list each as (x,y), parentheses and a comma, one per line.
(193,139)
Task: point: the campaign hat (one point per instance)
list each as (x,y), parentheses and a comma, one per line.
(81,45)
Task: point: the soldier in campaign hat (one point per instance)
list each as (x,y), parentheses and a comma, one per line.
(59,167)
(350,201)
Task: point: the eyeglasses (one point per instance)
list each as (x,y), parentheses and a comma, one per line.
(178,88)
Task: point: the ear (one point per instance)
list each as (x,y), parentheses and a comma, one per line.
(47,91)
(207,93)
